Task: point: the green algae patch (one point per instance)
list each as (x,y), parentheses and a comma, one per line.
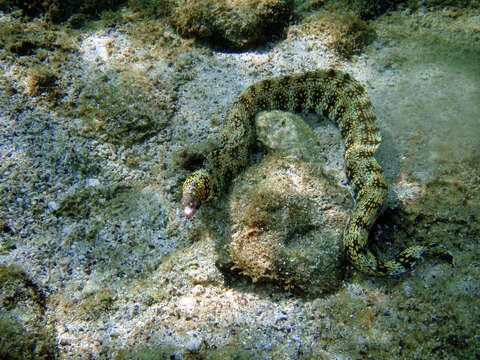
(18,342)
(231,352)
(60,10)
(123,109)
(86,200)
(90,306)
(39,53)
(446,211)
(453,3)
(148,353)
(170,351)
(353,35)
(367,9)
(152,7)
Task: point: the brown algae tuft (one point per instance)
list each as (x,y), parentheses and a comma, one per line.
(41,79)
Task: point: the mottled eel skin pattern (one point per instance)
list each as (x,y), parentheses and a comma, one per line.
(343,100)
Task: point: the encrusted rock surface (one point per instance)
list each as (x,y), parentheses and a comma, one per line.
(235,25)
(287,216)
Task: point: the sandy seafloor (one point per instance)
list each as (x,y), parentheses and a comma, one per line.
(97,228)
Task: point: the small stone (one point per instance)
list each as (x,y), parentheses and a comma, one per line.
(52,205)
(93,182)
(286,134)
(198,290)
(91,286)
(194,345)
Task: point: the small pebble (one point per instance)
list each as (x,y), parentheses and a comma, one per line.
(194,345)
(52,205)
(93,182)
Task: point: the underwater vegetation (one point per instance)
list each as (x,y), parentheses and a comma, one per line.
(349,24)
(222,24)
(349,33)
(41,79)
(368,9)
(24,331)
(195,352)
(231,25)
(123,109)
(237,25)
(60,10)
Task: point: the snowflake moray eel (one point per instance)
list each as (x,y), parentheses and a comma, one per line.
(342,99)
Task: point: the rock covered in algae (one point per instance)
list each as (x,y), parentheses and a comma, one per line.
(60,10)
(287,216)
(234,25)
(123,109)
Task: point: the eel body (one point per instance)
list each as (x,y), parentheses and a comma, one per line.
(342,99)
